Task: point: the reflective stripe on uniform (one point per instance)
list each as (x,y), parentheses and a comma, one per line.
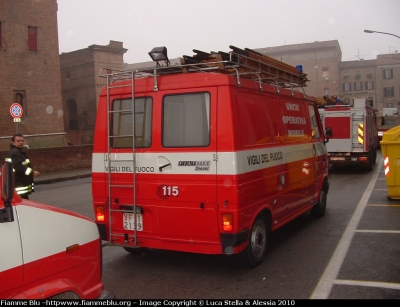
(22,190)
(28,171)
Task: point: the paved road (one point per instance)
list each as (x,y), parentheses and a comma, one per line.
(364,264)
(352,252)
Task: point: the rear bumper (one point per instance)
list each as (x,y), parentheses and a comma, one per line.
(102,231)
(347,159)
(229,241)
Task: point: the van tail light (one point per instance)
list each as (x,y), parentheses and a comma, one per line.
(227,222)
(99,214)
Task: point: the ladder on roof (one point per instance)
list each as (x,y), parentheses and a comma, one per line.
(243,63)
(113,161)
(249,63)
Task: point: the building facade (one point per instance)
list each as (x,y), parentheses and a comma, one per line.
(59,93)
(319,60)
(30,73)
(82,85)
(358,79)
(377,79)
(387,72)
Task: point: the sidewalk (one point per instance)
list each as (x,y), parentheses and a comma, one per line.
(51,177)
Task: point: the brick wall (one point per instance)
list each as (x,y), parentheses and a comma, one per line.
(31,78)
(58,158)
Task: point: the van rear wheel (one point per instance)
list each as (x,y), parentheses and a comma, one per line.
(256,248)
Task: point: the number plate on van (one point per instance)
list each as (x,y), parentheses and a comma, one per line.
(129,221)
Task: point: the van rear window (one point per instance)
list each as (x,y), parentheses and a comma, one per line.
(122,126)
(186,120)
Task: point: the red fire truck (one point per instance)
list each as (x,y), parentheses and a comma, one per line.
(354,138)
(208,156)
(46,252)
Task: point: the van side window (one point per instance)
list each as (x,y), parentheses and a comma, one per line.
(255,119)
(315,133)
(122,129)
(186,120)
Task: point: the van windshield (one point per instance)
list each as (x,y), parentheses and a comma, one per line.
(186,120)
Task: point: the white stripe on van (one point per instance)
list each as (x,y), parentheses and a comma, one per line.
(45,233)
(228,163)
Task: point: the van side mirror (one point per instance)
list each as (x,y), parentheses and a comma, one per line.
(7,192)
(328,134)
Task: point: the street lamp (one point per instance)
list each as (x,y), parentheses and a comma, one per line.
(370,31)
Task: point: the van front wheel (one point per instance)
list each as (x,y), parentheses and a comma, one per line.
(256,248)
(318,210)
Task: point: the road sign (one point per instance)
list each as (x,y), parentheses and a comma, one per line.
(16,110)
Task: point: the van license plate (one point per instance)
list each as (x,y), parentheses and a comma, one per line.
(129,221)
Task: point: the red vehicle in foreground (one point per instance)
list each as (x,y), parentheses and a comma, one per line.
(46,252)
(209,156)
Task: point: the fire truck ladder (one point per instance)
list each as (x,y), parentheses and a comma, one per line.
(113,160)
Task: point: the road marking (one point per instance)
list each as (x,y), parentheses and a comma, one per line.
(362,283)
(379,231)
(328,278)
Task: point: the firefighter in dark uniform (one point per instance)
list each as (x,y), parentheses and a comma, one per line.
(23,171)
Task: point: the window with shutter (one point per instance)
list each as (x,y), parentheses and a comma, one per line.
(32,39)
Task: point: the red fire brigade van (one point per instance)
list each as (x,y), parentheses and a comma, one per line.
(208,156)
(46,252)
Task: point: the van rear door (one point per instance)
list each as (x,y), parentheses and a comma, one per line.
(186,183)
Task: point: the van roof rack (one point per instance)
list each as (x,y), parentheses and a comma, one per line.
(243,63)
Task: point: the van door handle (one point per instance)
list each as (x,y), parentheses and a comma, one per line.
(314,150)
(161,167)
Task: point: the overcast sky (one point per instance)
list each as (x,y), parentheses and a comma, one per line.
(213,25)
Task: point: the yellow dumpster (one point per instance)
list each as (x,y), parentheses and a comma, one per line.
(390,146)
